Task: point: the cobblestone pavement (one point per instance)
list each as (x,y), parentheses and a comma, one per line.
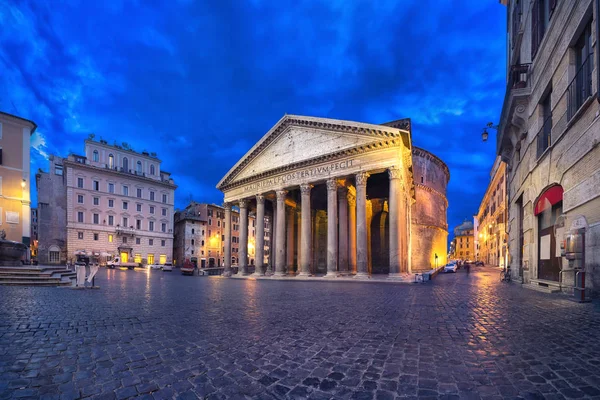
(162,335)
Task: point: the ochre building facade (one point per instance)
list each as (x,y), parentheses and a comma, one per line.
(345,198)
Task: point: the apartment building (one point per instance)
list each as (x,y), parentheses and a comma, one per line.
(491,236)
(548,135)
(15,201)
(199,236)
(463,246)
(109,201)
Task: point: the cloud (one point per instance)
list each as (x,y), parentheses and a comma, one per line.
(200,82)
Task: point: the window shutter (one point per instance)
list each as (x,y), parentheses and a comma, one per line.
(0,156)
(535,16)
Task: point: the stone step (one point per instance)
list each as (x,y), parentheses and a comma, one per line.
(542,288)
(29,278)
(40,273)
(28,283)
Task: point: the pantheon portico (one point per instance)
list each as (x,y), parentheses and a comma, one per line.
(343,200)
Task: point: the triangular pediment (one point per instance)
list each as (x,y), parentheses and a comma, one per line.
(297,139)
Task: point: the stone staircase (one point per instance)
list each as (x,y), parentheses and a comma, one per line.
(36,276)
(542,285)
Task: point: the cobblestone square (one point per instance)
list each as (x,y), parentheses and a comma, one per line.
(160,335)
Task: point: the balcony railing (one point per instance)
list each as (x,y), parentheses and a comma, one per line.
(123,230)
(544,136)
(518,77)
(580,87)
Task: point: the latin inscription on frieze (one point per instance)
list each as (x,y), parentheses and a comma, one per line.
(314,172)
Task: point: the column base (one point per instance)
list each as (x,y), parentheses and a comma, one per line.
(362,275)
(331,275)
(304,274)
(396,275)
(258,273)
(279,274)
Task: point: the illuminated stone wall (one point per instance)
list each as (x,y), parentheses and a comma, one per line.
(429,227)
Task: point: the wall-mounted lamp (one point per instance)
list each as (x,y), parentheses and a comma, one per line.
(23,183)
(484,134)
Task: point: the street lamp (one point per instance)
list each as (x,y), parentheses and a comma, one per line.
(23,183)
(484,134)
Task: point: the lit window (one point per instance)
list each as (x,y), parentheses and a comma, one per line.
(137,258)
(110,238)
(150,258)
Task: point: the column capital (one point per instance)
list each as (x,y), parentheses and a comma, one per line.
(351,199)
(227,206)
(243,203)
(305,188)
(260,199)
(281,195)
(361,178)
(394,172)
(332,184)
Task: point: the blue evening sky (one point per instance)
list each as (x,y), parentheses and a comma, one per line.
(199,82)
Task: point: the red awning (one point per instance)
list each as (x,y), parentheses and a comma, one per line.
(549,198)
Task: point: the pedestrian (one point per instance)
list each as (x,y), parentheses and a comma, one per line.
(468,267)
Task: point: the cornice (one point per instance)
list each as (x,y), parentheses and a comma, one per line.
(113,172)
(362,149)
(382,134)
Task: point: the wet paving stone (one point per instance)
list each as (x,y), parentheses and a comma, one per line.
(165,336)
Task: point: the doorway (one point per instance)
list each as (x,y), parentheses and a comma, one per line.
(548,208)
(124,257)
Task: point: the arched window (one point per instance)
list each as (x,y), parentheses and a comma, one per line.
(125,164)
(192,242)
(139,167)
(95,156)
(111,161)
(152,171)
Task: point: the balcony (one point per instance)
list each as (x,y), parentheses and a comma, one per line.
(123,230)
(514,109)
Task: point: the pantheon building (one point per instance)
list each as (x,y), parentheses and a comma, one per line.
(346,198)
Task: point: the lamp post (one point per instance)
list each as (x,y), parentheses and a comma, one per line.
(484,134)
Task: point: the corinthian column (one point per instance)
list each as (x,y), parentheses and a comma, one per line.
(343,229)
(305,231)
(395,221)
(227,244)
(280,233)
(332,242)
(351,233)
(260,235)
(362,255)
(243,264)
(290,240)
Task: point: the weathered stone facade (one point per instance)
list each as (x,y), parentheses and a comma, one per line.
(342,196)
(548,135)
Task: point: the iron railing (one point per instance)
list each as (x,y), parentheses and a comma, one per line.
(544,136)
(580,87)
(518,76)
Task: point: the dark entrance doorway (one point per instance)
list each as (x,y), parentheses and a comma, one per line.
(547,209)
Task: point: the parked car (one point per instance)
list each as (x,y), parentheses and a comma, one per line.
(450,267)
(167,267)
(154,266)
(479,263)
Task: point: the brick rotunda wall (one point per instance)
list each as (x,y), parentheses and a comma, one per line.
(429,228)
